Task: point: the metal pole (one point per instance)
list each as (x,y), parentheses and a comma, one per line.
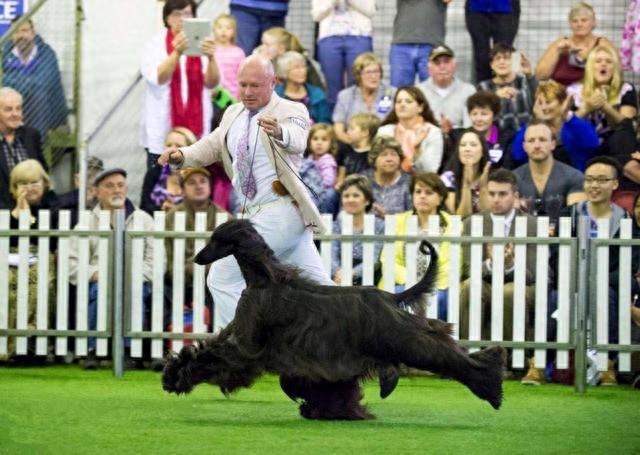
(117,342)
(582,232)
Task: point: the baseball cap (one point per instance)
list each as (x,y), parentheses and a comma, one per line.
(188,172)
(441,49)
(107,172)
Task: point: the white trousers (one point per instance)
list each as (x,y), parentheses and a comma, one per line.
(283,229)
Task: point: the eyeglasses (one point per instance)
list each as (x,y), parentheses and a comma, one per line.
(371,72)
(113,186)
(30,184)
(178,14)
(598,180)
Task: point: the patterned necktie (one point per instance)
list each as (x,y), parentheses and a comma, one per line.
(245,160)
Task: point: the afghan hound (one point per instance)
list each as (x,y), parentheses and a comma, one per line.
(323,340)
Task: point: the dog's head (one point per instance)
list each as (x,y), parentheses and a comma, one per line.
(229,238)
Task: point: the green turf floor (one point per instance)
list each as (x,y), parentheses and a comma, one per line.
(65,410)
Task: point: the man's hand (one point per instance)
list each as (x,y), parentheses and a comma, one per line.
(270,126)
(171,155)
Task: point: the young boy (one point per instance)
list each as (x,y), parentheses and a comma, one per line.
(352,157)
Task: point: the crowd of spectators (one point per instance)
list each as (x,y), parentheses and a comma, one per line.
(517,143)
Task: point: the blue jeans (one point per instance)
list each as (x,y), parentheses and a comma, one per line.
(250,27)
(336,55)
(407,60)
(92,309)
(443,304)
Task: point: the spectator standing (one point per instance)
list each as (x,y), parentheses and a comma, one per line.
(368,94)
(489,22)
(344,32)
(256,16)
(545,185)
(30,66)
(428,194)
(413,124)
(111,192)
(390,183)
(292,72)
(178,87)
(445,92)
(515,90)
(564,59)
(18,142)
(227,55)
(417,28)
(353,156)
(356,198)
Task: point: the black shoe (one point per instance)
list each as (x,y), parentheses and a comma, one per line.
(90,362)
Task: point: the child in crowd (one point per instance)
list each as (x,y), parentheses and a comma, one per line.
(353,157)
(319,170)
(228,56)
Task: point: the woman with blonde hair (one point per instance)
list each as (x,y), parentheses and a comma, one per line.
(564,59)
(32,192)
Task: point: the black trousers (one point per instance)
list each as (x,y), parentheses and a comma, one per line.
(487,29)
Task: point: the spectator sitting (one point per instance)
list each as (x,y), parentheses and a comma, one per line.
(445,92)
(564,59)
(31,189)
(161,188)
(344,32)
(228,56)
(356,197)
(17,142)
(428,194)
(502,194)
(368,94)
(30,66)
(71,200)
(353,157)
(546,185)
(413,124)
(321,149)
(466,175)
(196,189)
(278,40)
(515,90)
(390,183)
(292,72)
(576,139)
(484,109)
(600,180)
(111,192)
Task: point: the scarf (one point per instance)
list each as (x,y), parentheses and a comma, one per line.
(187,115)
(409,138)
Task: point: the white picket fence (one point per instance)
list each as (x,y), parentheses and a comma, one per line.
(53,316)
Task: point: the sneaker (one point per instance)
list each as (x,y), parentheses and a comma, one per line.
(534,376)
(608,378)
(91,361)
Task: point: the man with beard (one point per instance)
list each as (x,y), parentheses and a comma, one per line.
(111,192)
(31,67)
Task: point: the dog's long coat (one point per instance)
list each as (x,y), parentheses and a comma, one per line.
(322,340)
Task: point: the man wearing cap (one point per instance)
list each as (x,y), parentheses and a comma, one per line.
(111,193)
(260,143)
(71,199)
(447,95)
(196,191)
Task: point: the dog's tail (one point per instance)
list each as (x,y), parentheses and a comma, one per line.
(427,282)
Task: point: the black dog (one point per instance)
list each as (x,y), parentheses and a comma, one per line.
(322,340)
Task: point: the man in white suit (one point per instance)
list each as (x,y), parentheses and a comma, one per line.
(260,143)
